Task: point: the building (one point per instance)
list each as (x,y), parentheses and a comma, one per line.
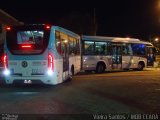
(6,19)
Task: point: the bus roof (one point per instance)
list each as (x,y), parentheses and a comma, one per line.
(113,39)
(66,31)
(41,26)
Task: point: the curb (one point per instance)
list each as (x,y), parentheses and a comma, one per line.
(151,68)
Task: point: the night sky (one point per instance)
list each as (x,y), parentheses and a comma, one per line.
(121,18)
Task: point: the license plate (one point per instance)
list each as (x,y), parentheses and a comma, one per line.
(37,71)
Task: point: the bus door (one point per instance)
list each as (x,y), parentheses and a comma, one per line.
(150,56)
(127,56)
(65,55)
(116,56)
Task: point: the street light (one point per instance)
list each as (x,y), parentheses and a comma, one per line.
(156,39)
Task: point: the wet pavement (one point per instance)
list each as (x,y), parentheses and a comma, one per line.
(87,93)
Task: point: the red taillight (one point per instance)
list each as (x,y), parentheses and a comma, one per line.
(50,62)
(5,61)
(47,26)
(8,28)
(26,46)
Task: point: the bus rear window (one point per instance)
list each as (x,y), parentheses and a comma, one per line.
(30,37)
(26,41)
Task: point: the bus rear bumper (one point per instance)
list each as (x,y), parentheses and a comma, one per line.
(50,80)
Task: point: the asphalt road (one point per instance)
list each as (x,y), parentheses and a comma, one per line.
(111,92)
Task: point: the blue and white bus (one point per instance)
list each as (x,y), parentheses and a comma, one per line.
(108,53)
(40,54)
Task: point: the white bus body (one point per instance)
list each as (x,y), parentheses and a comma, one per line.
(41,54)
(107,53)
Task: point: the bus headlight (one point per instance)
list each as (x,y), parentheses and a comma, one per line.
(6,72)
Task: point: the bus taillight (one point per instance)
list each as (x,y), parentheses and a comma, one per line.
(26,46)
(50,62)
(6,72)
(5,61)
(8,28)
(47,27)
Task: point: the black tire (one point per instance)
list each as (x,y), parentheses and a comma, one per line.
(2,81)
(72,70)
(100,68)
(88,71)
(140,66)
(126,69)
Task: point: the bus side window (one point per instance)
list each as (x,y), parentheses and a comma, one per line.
(88,47)
(74,44)
(126,50)
(100,48)
(58,42)
(138,49)
(71,45)
(64,43)
(77,46)
(109,48)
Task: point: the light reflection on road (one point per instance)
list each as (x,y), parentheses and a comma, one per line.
(25,93)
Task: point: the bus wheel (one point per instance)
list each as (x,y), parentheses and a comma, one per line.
(72,70)
(88,71)
(140,66)
(2,82)
(100,68)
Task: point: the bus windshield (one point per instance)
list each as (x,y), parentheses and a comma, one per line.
(27,41)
